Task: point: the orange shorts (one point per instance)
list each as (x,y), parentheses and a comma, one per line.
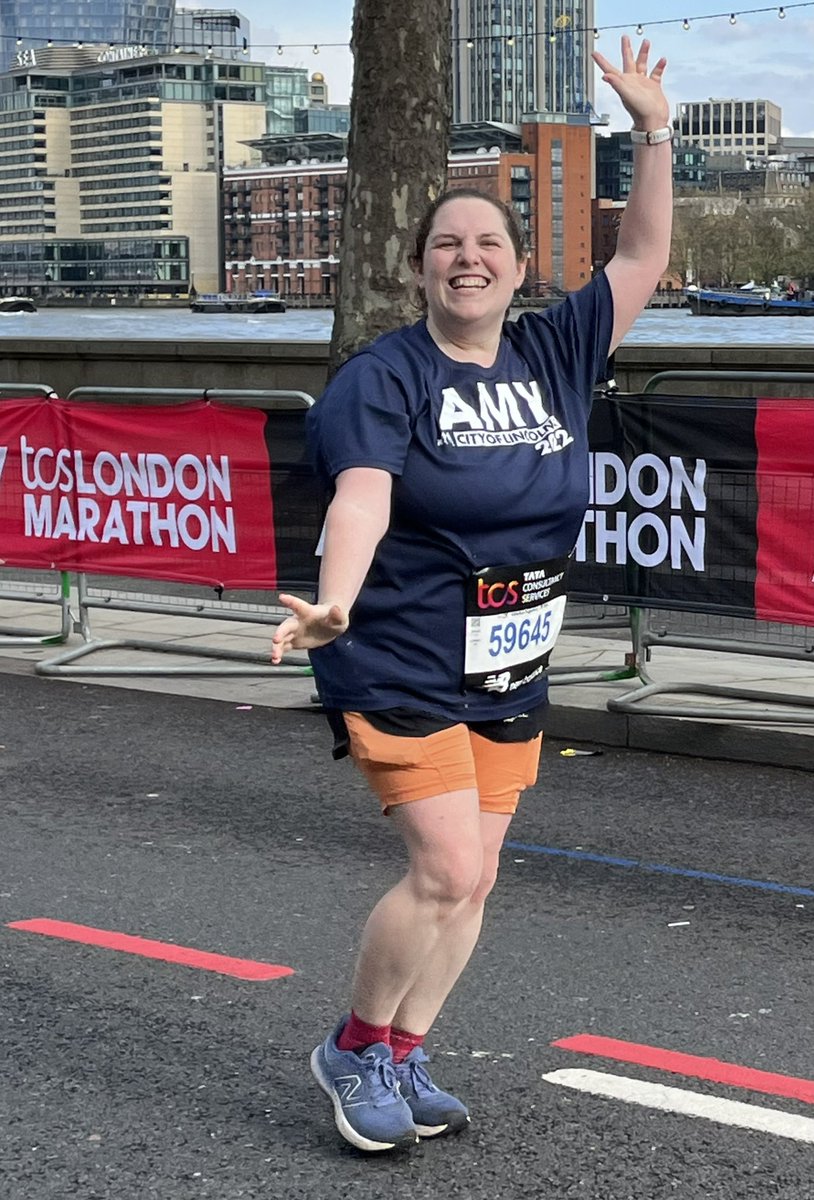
(400,769)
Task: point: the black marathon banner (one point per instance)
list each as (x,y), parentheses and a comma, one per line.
(703,504)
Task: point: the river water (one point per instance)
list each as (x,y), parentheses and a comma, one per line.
(659,327)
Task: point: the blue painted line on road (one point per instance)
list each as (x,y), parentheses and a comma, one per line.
(609,860)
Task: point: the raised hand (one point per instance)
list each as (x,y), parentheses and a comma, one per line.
(639,92)
(309,626)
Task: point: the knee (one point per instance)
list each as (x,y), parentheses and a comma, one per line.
(451,880)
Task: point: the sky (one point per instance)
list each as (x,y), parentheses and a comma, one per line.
(759,57)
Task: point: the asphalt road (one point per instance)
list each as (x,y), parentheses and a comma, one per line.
(229,830)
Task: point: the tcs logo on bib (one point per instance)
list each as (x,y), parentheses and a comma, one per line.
(497,595)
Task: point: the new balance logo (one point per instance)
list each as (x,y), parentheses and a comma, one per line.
(346,1088)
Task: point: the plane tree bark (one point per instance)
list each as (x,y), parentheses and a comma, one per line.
(397,161)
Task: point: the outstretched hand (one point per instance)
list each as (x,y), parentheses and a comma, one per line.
(309,626)
(639,92)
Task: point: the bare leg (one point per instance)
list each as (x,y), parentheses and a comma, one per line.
(458,937)
(409,926)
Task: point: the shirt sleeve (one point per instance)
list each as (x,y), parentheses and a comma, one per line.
(578,333)
(362,419)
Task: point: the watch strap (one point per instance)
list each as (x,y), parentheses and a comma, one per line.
(651,137)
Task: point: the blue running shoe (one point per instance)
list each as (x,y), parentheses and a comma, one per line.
(434,1112)
(368,1108)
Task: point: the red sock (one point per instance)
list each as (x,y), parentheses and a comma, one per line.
(402,1042)
(358,1035)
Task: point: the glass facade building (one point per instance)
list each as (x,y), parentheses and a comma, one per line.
(614,166)
(26,24)
(287,89)
(222,32)
(333,118)
(512,57)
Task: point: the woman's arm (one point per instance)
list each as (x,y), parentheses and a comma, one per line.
(357,520)
(643,246)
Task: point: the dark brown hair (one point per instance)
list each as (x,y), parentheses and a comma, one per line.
(510,220)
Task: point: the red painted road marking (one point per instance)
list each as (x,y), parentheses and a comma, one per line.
(240,968)
(690,1064)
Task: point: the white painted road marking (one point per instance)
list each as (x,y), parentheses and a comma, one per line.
(686,1103)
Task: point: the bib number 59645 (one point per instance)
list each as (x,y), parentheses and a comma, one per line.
(504,638)
(514,615)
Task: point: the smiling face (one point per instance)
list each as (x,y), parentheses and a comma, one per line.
(470,269)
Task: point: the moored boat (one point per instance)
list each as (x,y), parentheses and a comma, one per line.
(17,304)
(219,302)
(752,302)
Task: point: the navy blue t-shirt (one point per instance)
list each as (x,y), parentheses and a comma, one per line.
(490,468)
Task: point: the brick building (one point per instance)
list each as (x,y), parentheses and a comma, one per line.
(282,219)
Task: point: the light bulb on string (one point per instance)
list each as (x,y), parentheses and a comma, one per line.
(596,35)
(509,41)
(279,49)
(639,30)
(685,25)
(781,12)
(316,49)
(470,45)
(733,20)
(552,37)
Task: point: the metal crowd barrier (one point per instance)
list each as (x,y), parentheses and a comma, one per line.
(46,587)
(652,628)
(179,600)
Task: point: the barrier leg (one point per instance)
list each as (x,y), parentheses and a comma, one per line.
(756,706)
(223,662)
(29,637)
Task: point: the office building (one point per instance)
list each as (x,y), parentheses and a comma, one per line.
(28,24)
(750,127)
(220,32)
(514,57)
(110,168)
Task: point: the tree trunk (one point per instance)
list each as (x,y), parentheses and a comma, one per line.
(397,161)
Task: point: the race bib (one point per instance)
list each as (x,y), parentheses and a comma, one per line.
(513,618)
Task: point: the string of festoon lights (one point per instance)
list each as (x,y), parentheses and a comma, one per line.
(562,25)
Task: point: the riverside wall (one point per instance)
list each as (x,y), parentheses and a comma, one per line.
(65,364)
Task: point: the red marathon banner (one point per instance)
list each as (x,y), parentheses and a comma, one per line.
(175,492)
(695,503)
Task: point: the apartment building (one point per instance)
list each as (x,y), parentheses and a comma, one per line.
(515,57)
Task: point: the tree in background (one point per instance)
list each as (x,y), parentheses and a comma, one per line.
(800,223)
(737,241)
(397,161)
(766,247)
